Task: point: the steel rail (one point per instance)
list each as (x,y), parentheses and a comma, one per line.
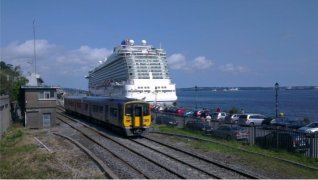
(107,149)
(102,166)
(238,171)
(243,150)
(108,137)
(176,159)
(125,146)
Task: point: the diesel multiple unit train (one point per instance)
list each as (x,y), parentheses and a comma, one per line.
(131,116)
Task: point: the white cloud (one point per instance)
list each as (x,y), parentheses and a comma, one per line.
(202,63)
(177,61)
(232,68)
(53,60)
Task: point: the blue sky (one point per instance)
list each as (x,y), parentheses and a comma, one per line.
(208,42)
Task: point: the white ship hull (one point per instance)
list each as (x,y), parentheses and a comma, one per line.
(132,71)
(159,91)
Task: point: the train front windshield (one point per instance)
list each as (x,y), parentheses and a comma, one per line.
(137,110)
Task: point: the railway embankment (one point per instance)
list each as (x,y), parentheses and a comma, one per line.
(22,156)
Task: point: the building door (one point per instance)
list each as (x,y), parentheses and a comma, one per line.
(46,120)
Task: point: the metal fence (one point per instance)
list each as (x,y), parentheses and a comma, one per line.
(265,137)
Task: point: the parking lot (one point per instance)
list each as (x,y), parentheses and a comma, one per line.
(266,137)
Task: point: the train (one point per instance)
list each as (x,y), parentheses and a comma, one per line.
(131,117)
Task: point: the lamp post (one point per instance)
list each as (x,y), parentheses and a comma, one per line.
(156,96)
(276,89)
(196,96)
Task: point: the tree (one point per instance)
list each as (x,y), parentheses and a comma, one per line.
(11,80)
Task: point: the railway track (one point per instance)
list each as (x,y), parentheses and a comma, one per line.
(206,165)
(105,149)
(180,164)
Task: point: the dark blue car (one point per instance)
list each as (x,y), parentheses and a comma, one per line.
(290,141)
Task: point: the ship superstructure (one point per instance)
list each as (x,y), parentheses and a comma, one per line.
(134,71)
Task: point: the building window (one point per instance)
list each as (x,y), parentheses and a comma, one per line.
(47,95)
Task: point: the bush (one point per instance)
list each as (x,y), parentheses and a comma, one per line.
(234,110)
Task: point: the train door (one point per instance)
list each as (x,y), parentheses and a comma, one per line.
(137,115)
(106,114)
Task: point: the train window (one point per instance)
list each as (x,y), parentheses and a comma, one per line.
(137,111)
(106,110)
(86,107)
(113,112)
(120,111)
(145,109)
(100,109)
(78,105)
(95,108)
(128,110)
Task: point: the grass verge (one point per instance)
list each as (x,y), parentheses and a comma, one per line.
(20,158)
(263,164)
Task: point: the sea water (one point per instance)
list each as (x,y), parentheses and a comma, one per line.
(295,104)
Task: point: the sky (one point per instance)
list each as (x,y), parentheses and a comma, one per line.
(210,43)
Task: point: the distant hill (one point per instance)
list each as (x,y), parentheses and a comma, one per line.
(247,88)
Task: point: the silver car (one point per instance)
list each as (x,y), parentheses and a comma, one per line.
(219,116)
(231,132)
(232,118)
(251,119)
(310,128)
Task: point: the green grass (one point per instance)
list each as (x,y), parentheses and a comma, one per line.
(283,169)
(24,160)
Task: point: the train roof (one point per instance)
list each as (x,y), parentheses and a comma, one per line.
(101,98)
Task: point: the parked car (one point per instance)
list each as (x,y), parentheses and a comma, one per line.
(231,132)
(188,114)
(288,124)
(180,111)
(267,123)
(290,141)
(166,120)
(251,119)
(219,116)
(199,126)
(310,128)
(232,118)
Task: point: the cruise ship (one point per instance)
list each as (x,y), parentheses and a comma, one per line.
(134,71)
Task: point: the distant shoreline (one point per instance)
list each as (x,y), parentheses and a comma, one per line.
(249,88)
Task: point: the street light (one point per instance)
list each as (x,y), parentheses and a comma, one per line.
(196,96)
(156,96)
(276,89)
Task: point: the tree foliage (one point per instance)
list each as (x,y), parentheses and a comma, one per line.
(11,80)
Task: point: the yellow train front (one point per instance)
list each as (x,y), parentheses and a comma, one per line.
(131,116)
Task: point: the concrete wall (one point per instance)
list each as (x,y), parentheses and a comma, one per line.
(5,114)
(34,117)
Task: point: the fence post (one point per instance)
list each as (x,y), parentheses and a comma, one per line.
(311,144)
(254,134)
(276,137)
